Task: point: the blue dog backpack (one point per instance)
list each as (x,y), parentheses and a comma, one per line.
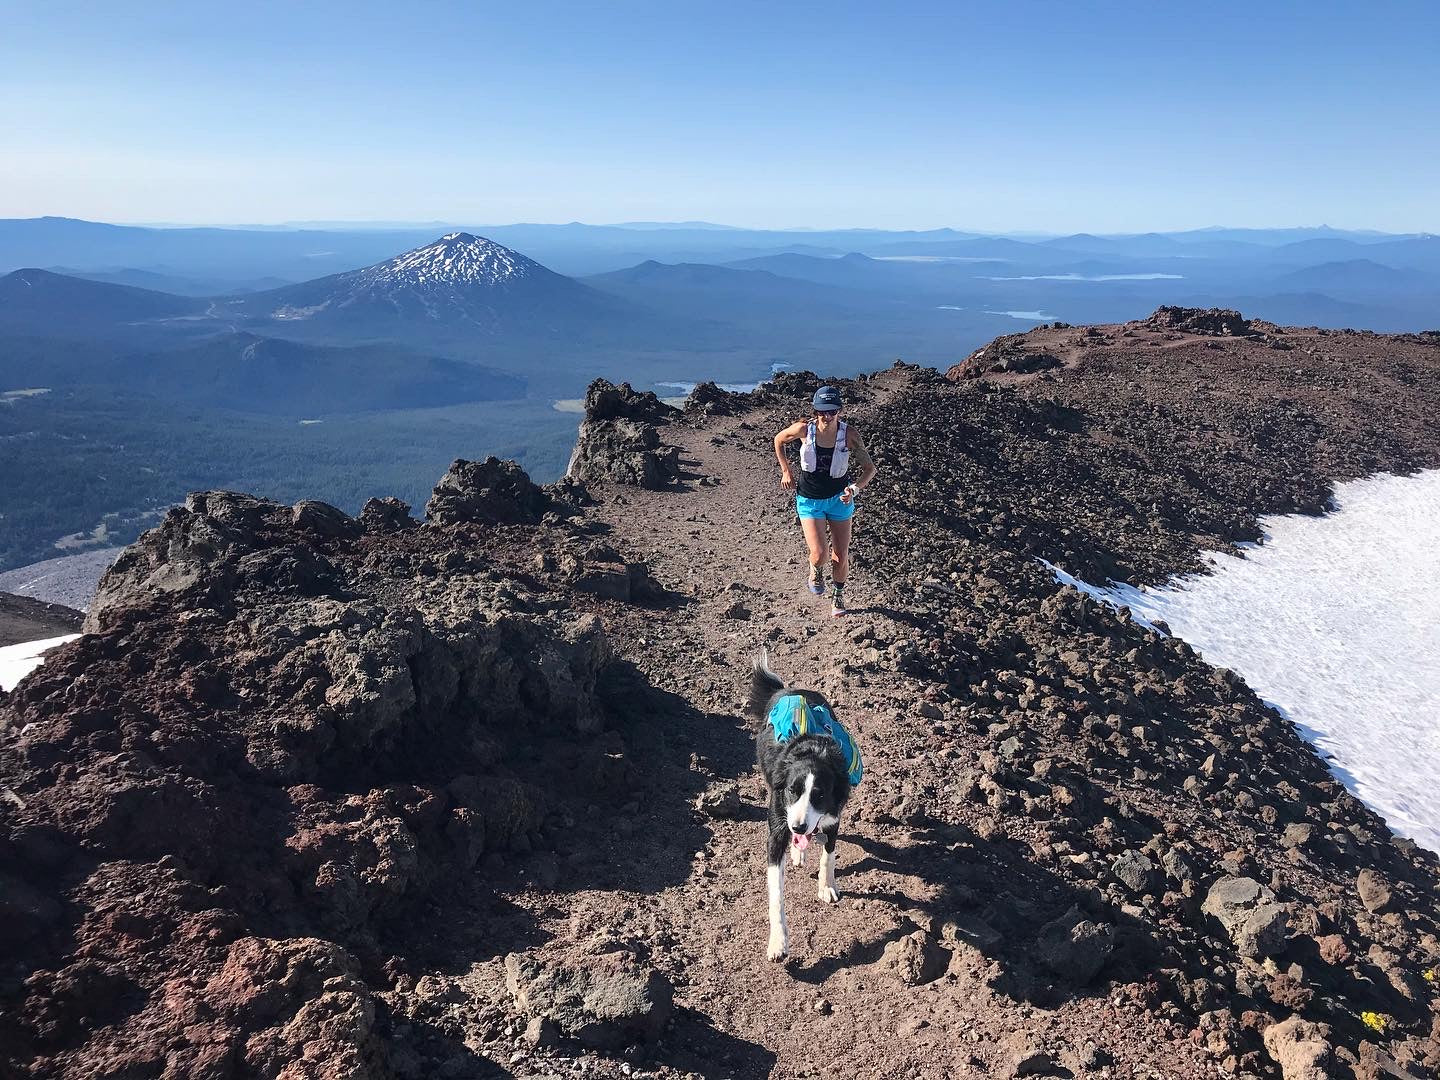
(792,716)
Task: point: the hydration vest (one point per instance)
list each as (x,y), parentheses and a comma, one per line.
(792,715)
(839,461)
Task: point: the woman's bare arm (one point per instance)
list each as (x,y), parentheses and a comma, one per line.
(793,433)
(861,453)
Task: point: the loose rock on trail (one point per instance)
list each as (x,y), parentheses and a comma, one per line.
(331,797)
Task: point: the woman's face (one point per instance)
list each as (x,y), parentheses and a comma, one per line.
(826,418)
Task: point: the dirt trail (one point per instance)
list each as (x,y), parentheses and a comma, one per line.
(840,1006)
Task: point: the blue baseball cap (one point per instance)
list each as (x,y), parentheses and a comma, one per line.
(826,399)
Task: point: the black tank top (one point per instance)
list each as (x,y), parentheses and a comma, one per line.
(820,484)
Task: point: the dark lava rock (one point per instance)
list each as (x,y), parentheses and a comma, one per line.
(322,519)
(1135,872)
(384,515)
(1374,891)
(711,400)
(1247,910)
(1074,947)
(1013,354)
(23,618)
(618,442)
(608,1002)
(490,491)
(1220,322)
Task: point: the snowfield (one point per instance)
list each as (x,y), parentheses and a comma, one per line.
(17,661)
(1336,622)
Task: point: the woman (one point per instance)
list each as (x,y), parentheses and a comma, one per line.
(825,496)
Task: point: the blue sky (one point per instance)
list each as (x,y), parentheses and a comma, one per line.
(1001,116)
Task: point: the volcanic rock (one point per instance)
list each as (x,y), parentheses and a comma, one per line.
(606,1003)
(323,519)
(1074,947)
(490,491)
(1300,1048)
(1013,354)
(1248,912)
(387,514)
(1374,891)
(618,442)
(23,618)
(1221,322)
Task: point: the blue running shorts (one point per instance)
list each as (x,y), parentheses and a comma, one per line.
(831,509)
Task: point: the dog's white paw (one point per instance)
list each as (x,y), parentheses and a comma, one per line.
(779,947)
(797,855)
(828,895)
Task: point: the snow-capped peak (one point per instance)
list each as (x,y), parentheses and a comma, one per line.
(457,258)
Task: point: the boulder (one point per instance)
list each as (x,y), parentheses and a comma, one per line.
(1300,1049)
(1074,947)
(322,519)
(916,958)
(1374,891)
(709,399)
(618,442)
(387,514)
(608,1002)
(1215,322)
(490,491)
(1247,910)
(1012,354)
(1135,872)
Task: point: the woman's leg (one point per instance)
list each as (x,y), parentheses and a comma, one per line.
(840,551)
(814,529)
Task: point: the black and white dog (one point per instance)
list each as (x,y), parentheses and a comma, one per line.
(808,761)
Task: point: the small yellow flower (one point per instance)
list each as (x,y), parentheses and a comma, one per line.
(1375,1021)
(1430,975)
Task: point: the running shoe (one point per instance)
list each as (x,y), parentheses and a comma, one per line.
(817,584)
(837,603)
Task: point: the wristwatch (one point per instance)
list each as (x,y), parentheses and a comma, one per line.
(854,490)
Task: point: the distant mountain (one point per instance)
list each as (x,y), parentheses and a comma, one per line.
(40,302)
(1416,253)
(460,284)
(1359,275)
(172,283)
(246,373)
(1143,245)
(720,287)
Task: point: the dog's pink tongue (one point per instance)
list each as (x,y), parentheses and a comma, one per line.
(800,841)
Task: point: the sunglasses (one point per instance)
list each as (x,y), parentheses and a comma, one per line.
(826,412)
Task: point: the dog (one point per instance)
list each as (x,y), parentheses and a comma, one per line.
(810,764)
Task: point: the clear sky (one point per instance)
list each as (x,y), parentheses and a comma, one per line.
(1001,116)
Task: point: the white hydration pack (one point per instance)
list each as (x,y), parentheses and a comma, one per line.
(839,463)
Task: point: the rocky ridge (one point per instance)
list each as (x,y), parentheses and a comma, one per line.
(321,796)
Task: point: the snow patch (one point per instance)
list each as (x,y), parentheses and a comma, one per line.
(17,661)
(1335,621)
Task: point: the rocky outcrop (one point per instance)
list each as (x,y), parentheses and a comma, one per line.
(618,442)
(1300,1049)
(1248,912)
(708,399)
(1014,354)
(610,1001)
(23,618)
(491,492)
(387,514)
(1214,322)
(283,738)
